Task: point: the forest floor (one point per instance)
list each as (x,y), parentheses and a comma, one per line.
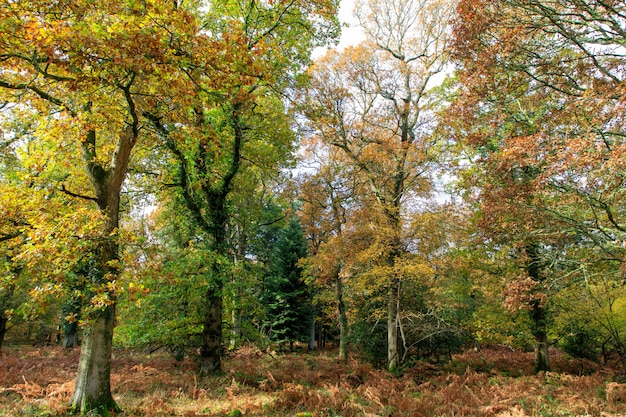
(493,382)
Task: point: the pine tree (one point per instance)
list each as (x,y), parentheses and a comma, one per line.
(285,295)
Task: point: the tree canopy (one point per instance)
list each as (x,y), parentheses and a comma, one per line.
(185,171)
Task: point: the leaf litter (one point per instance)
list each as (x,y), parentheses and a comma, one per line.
(494,382)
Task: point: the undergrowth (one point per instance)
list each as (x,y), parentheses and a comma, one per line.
(494,382)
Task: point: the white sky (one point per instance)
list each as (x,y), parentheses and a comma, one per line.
(351,34)
(354,33)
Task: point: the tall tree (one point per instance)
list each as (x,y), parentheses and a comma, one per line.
(238,123)
(373,103)
(540,102)
(286,296)
(88,69)
(326,197)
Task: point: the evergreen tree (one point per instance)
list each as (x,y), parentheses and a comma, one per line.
(285,294)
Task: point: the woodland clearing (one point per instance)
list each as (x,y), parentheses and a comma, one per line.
(496,381)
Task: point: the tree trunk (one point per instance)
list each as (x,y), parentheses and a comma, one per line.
(92,390)
(70,339)
(236,328)
(4,321)
(542,359)
(393,353)
(343,321)
(211,349)
(70,329)
(3,327)
(538,312)
(312,328)
(239,258)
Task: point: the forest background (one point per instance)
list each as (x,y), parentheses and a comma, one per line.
(181,176)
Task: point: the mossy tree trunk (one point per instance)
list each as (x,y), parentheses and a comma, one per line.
(539,330)
(92,390)
(538,311)
(211,350)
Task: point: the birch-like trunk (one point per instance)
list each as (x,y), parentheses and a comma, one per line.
(393,352)
(343,321)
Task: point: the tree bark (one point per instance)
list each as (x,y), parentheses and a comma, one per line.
(538,312)
(70,329)
(236,328)
(542,358)
(92,390)
(312,328)
(3,327)
(211,349)
(343,320)
(236,314)
(70,339)
(393,353)
(4,321)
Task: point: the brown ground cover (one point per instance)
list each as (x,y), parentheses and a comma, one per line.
(493,382)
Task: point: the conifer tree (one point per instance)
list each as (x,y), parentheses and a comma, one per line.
(285,295)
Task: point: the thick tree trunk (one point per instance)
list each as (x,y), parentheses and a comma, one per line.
(542,358)
(538,312)
(393,353)
(343,321)
(92,390)
(211,349)
(93,382)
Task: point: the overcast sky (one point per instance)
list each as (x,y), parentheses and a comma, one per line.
(353,34)
(350,35)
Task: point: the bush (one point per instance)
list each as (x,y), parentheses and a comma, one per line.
(582,343)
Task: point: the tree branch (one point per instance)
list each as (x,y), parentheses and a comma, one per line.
(38,91)
(72,194)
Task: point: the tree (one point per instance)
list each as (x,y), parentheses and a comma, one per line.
(372,102)
(88,68)
(165,308)
(538,103)
(285,295)
(238,124)
(10,240)
(326,197)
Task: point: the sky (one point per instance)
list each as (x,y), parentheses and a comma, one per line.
(350,35)
(353,34)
